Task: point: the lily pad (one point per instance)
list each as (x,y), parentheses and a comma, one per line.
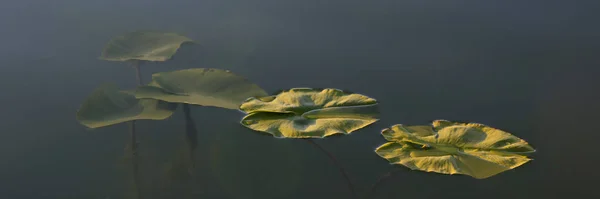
(201,86)
(107,106)
(454,148)
(143,45)
(309,113)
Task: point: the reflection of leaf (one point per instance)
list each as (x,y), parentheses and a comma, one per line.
(454,148)
(178,169)
(249,166)
(201,86)
(172,177)
(143,45)
(107,106)
(309,113)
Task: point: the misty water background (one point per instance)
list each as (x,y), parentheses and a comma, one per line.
(527,67)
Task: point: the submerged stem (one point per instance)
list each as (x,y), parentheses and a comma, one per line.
(134,160)
(378,182)
(134,154)
(191,134)
(337,164)
(138,73)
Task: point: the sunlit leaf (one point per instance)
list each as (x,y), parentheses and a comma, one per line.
(201,86)
(107,106)
(143,45)
(454,148)
(309,113)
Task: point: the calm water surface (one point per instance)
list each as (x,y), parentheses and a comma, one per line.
(527,67)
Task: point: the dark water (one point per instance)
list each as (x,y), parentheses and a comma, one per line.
(528,67)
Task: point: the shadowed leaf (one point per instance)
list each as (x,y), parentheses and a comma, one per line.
(454,148)
(143,45)
(309,113)
(107,106)
(201,86)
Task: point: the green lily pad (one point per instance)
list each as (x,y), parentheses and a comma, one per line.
(143,45)
(107,106)
(201,86)
(454,148)
(309,113)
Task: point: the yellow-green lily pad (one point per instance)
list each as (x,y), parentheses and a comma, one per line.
(309,113)
(201,86)
(143,45)
(448,147)
(107,106)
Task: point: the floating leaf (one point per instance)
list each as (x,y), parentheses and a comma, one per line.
(143,45)
(309,113)
(201,86)
(454,148)
(107,106)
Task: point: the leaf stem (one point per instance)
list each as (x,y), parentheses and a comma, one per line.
(138,74)
(134,160)
(191,134)
(338,165)
(134,154)
(378,182)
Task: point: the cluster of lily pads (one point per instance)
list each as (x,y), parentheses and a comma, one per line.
(443,147)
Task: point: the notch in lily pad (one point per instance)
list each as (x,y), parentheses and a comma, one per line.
(107,105)
(449,147)
(309,113)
